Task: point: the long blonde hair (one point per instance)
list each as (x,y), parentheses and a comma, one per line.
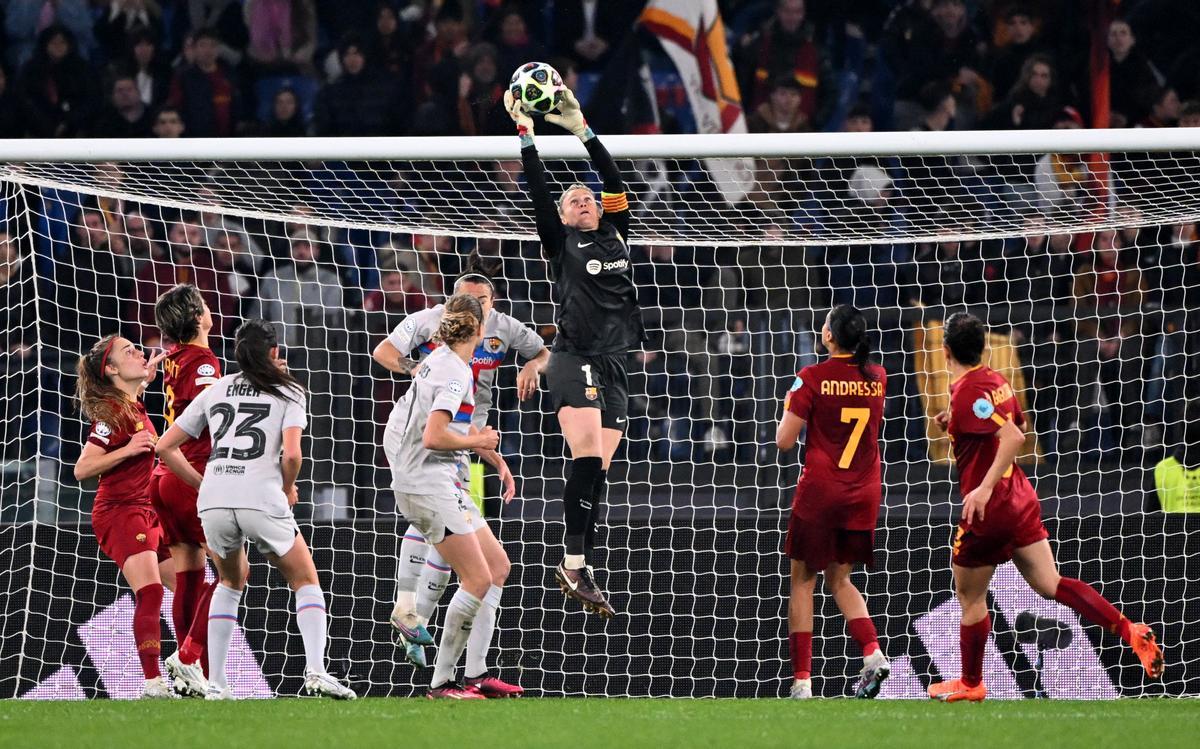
(98,397)
(460,320)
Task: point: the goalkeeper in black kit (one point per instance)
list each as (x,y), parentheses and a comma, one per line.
(598,324)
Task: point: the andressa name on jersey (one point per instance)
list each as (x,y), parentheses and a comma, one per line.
(852,387)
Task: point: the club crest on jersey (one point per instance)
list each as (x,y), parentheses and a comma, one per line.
(594,266)
(983,408)
(591,393)
(206,370)
(493,345)
(141,538)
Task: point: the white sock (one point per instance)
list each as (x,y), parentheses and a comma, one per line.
(460,615)
(480,641)
(312,620)
(413,551)
(222,619)
(574,561)
(435,576)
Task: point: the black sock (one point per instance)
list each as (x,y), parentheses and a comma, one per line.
(578,501)
(598,494)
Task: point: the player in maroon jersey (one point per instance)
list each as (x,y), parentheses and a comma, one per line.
(189,368)
(120,450)
(832,525)
(1001,517)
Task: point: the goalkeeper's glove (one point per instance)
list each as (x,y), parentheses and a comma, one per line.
(520,117)
(570,116)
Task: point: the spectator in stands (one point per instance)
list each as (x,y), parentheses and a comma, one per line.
(1131,76)
(1109,281)
(236,275)
(17,313)
(282,36)
(1177,476)
(227,19)
(126,115)
(363,101)
(123,20)
(945,277)
(301,294)
(777,185)
(480,105)
(1189,113)
(187,260)
(783,111)
(858,120)
(206,92)
(955,59)
(1007,61)
(286,121)
(398,292)
(26,20)
(1063,180)
(783,46)
(391,45)
(168,123)
(1036,269)
(515,46)
(12,120)
(1034,102)
(91,285)
(586,35)
(1164,108)
(141,239)
(441,53)
(907,36)
(57,89)
(151,73)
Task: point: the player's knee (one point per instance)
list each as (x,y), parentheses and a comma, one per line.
(500,569)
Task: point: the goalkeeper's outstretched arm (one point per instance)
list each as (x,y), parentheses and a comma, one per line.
(549,224)
(612,196)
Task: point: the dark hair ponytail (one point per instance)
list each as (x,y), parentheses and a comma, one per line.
(252,348)
(849,329)
(479,269)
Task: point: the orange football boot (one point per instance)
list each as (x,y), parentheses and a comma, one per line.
(957,691)
(1145,645)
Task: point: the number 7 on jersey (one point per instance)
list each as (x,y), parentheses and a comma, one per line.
(859,416)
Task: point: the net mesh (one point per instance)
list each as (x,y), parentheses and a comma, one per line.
(1085,268)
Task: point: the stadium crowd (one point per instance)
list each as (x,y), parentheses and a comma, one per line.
(1103,321)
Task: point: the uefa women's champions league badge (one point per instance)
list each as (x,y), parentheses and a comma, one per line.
(983,408)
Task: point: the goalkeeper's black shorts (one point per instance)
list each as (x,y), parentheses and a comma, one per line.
(598,381)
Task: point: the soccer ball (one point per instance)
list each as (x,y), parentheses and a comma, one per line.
(538,87)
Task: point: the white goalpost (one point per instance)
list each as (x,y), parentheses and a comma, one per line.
(1079,248)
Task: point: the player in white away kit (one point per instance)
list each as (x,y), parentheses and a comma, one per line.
(247,493)
(426,441)
(422,575)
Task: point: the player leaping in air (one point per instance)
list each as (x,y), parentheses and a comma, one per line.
(598,324)
(1001,517)
(837,499)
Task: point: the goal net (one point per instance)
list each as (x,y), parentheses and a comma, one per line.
(1078,248)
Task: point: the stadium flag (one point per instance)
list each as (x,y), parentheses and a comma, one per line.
(693,37)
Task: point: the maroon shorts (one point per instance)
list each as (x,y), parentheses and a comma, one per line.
(819,546)
(992,543)
(127,529)
(175,503)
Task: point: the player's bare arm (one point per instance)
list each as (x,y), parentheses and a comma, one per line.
(1011,438)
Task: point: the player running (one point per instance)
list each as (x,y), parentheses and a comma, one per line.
(422,575)
(189,368)
(837,499)
(1001,517)
(426,441)
(120,450)
(598,324)
(248,492)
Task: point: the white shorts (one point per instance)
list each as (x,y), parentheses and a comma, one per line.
(227,529)
(435,516)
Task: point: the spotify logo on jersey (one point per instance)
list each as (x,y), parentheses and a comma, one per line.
(594,266)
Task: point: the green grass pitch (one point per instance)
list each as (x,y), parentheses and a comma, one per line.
(609,723)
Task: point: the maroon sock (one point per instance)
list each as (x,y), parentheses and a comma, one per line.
(800,643)
(863,632)
(972,640)
(188,586)
(195,646)
(147,627)
(1092,606)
